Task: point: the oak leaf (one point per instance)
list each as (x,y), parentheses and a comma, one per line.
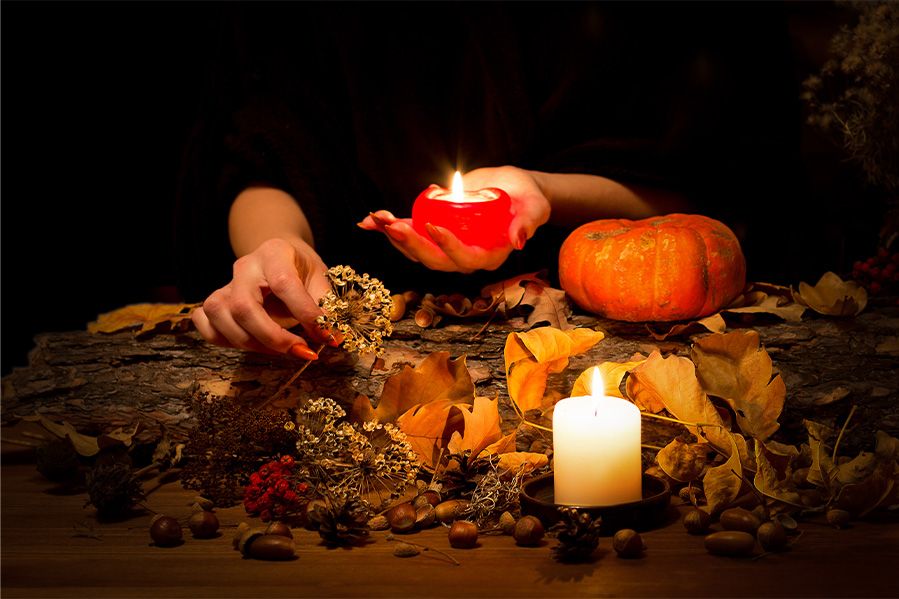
(833,296)
(735,368)
(436,378)
(762,303)
(530,358)
(774,484)
(425,428)
(481,426)
(530,295)
(714,324)
(524,461)
(672,383)
(149,317)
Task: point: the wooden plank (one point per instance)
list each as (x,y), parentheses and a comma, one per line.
(42,558)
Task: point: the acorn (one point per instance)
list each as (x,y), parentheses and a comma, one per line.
(507,523)
(838,518)
(628,543)
(737,518)
(269,547)
(730,543)
(697,521)
(451,509)
(397,307)
(378,522)
(276,527)
(401,517)
(528,531)
(165,531)
(463,534)
(772,536)
(425,516)
(429,496)
(203,524)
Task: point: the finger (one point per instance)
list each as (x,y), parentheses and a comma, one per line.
(206,330)
(220,326)
(467,258)
(285,283)
(519,232)
(318,286)
(426,251)
(398,239)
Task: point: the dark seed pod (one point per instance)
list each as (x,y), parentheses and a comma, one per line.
(772,536)
(730,543)
(838,518)
(697,521)
(270,547)
(277,527)
(463,534)
(628,543)
(737,518)
(528,531)
(165,531)
(402,517)
(203,525)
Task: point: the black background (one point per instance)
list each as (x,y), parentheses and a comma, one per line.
(98,100)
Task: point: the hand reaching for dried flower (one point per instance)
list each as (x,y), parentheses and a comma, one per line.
(275,287)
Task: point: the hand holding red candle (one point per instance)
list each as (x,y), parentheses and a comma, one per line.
(438,243)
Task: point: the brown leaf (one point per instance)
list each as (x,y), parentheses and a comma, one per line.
(84,445)
(149,317)
(511,291)
(714,323)
(612,374)
(549,307)
(530,357)
(505,445)
(770,483)
(875,489)
(886,447)
(481,426)
(735,368)
(436,378)
(684,462)
(672,382)
(833,296)
(722,483)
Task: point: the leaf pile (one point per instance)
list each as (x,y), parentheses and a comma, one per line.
(146,318)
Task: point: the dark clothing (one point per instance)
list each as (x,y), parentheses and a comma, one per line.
(355,107)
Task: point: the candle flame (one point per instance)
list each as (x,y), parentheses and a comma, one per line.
(458,190)
(597,386)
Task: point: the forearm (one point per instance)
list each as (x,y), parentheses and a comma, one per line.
(262,213)
(575,198)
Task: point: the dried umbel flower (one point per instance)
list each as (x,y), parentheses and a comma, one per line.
(358,307)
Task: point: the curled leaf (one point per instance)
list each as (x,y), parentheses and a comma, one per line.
(722,483)
(684,462)
(145,317)
(612,374)
(833,296)
(714,323)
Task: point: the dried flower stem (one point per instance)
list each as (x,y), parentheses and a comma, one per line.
(290,381)
(836,445)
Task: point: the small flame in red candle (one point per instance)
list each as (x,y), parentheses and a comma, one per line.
(458,189)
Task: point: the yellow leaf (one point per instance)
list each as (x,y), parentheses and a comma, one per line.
(769,483)
(504,445)
(436,378)
(530,357)
(672,383)
(771,304)
(833,296)
(525,460)
(714,323)
(612,374)
(146,316)
(424,426)
(481,427)
(735,368)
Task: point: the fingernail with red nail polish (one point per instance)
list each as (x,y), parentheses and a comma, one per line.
(298,350)
(435,233)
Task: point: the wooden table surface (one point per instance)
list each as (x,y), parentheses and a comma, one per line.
(43,555)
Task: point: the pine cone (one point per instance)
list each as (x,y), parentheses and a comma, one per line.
(340,521)
(577,533)
(462,473)
(112,489)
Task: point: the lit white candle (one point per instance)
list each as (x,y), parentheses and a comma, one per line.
(596,449)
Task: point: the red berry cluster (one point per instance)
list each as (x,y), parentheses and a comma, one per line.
(273,492)
(878,274)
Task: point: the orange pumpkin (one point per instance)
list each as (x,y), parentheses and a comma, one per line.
(673,267)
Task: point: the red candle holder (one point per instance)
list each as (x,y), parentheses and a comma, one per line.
(482,218)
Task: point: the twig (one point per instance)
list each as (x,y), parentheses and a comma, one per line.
(842,430)
(290,381)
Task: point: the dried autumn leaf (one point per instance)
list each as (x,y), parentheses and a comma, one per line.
(530,357)
(85,445)
(436,378)
(721,484)
(531,295)
(714,324)
(684,462)
(672,383)
(762,303)
(833,296)
(612,374)
(735,368)
(886,447)
(148,317)
(504,445)
(769,483)
(876,489)
(425,426)
(481,426)
(511,291)
(525,461)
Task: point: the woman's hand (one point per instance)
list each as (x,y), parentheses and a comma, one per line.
(443,251)
(275,287)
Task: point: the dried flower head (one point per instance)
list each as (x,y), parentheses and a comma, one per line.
(358,306)
(373,462)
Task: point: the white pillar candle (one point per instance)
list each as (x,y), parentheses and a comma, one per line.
(596,450)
